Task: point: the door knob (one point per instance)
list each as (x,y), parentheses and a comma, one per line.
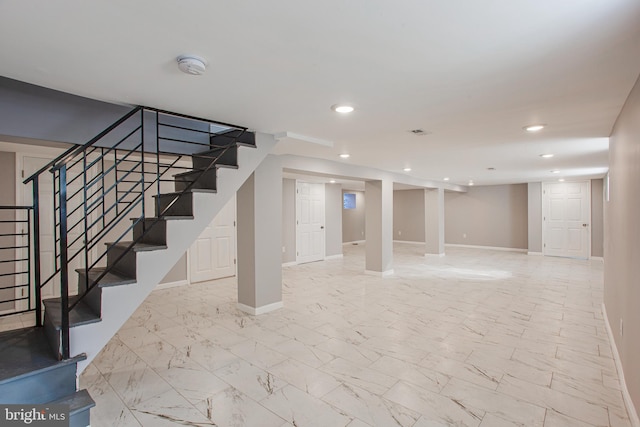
(322,227)
(585,225)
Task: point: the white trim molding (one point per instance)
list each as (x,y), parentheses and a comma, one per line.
(379,273)
(355,242)
(260,310)
(435,255)
(289,264)
(597,258)
(409,242)
(336,256)
(492,248)
(631,409)
(172,284)
(535,253)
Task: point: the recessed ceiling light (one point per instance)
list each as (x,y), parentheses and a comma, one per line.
(446,178)
(470,182)
(491,169)
(534,128)
(345,156)
(555,171)
(342,108)
(546,156)
(407,169)
(333,181)
(561,180)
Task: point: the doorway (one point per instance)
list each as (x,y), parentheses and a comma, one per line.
(310,232)
(566,217)
(213,254)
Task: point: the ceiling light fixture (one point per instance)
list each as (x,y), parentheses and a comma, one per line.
(555,171)
(561,180)
(546,156)
(470,183)
(192,64)
(342,108)
(333,181)
(446,178)
(407,169)
(534,128)
(345,156)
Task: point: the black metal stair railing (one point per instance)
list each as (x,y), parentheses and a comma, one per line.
(15,260)
(100,191)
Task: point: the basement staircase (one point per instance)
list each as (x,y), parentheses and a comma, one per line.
(123,209)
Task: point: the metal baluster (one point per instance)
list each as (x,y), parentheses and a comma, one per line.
(64,273)
(36,249)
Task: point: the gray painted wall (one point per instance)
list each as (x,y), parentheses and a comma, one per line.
(408,215)
(622,240)
(534,206)
(597,221)
(289,220)
(7,198)
(333,219)
(489,216)
(353,220)
(35,112)
(178,273)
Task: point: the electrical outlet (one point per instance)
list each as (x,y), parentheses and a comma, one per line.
(399,233)
(284,249)
(621,328)
(464,235)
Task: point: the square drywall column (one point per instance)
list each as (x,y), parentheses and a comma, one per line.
(434,221)
(260,239)
(379,227)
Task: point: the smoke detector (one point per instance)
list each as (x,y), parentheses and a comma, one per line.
(192,64)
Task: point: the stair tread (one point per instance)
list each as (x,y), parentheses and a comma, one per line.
(138,247)
(25,352)
(112,278)
(77,402)
(81,314)
(191,190)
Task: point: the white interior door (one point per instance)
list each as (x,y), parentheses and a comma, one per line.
(566,219)
(310,232)
(213,254)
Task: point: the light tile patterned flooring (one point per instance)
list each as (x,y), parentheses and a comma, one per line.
(476,338)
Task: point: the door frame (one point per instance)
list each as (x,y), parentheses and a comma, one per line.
(324,229)
(544,202)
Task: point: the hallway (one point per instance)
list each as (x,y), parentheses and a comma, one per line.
(475,338)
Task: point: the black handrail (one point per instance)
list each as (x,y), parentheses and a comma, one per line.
(84,217)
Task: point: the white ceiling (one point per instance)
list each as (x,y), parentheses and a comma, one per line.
(472,73)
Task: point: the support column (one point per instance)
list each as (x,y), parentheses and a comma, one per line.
(379,227)
(434,221)
(260,239)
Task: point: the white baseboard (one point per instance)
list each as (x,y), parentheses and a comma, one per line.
(379,273)
(436,255)
(493,248)
(631,409)
(172,284)
(355,242)
(535,253)
(336,256)
(410,242)
(260,310)
(597,258)
(289,264)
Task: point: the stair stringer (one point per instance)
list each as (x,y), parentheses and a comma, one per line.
(120,302)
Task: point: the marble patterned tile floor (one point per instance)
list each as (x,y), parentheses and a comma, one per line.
(475,338)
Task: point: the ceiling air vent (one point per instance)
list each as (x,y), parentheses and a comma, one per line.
(419,132)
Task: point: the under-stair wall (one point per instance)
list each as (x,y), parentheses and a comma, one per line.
(120,302)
